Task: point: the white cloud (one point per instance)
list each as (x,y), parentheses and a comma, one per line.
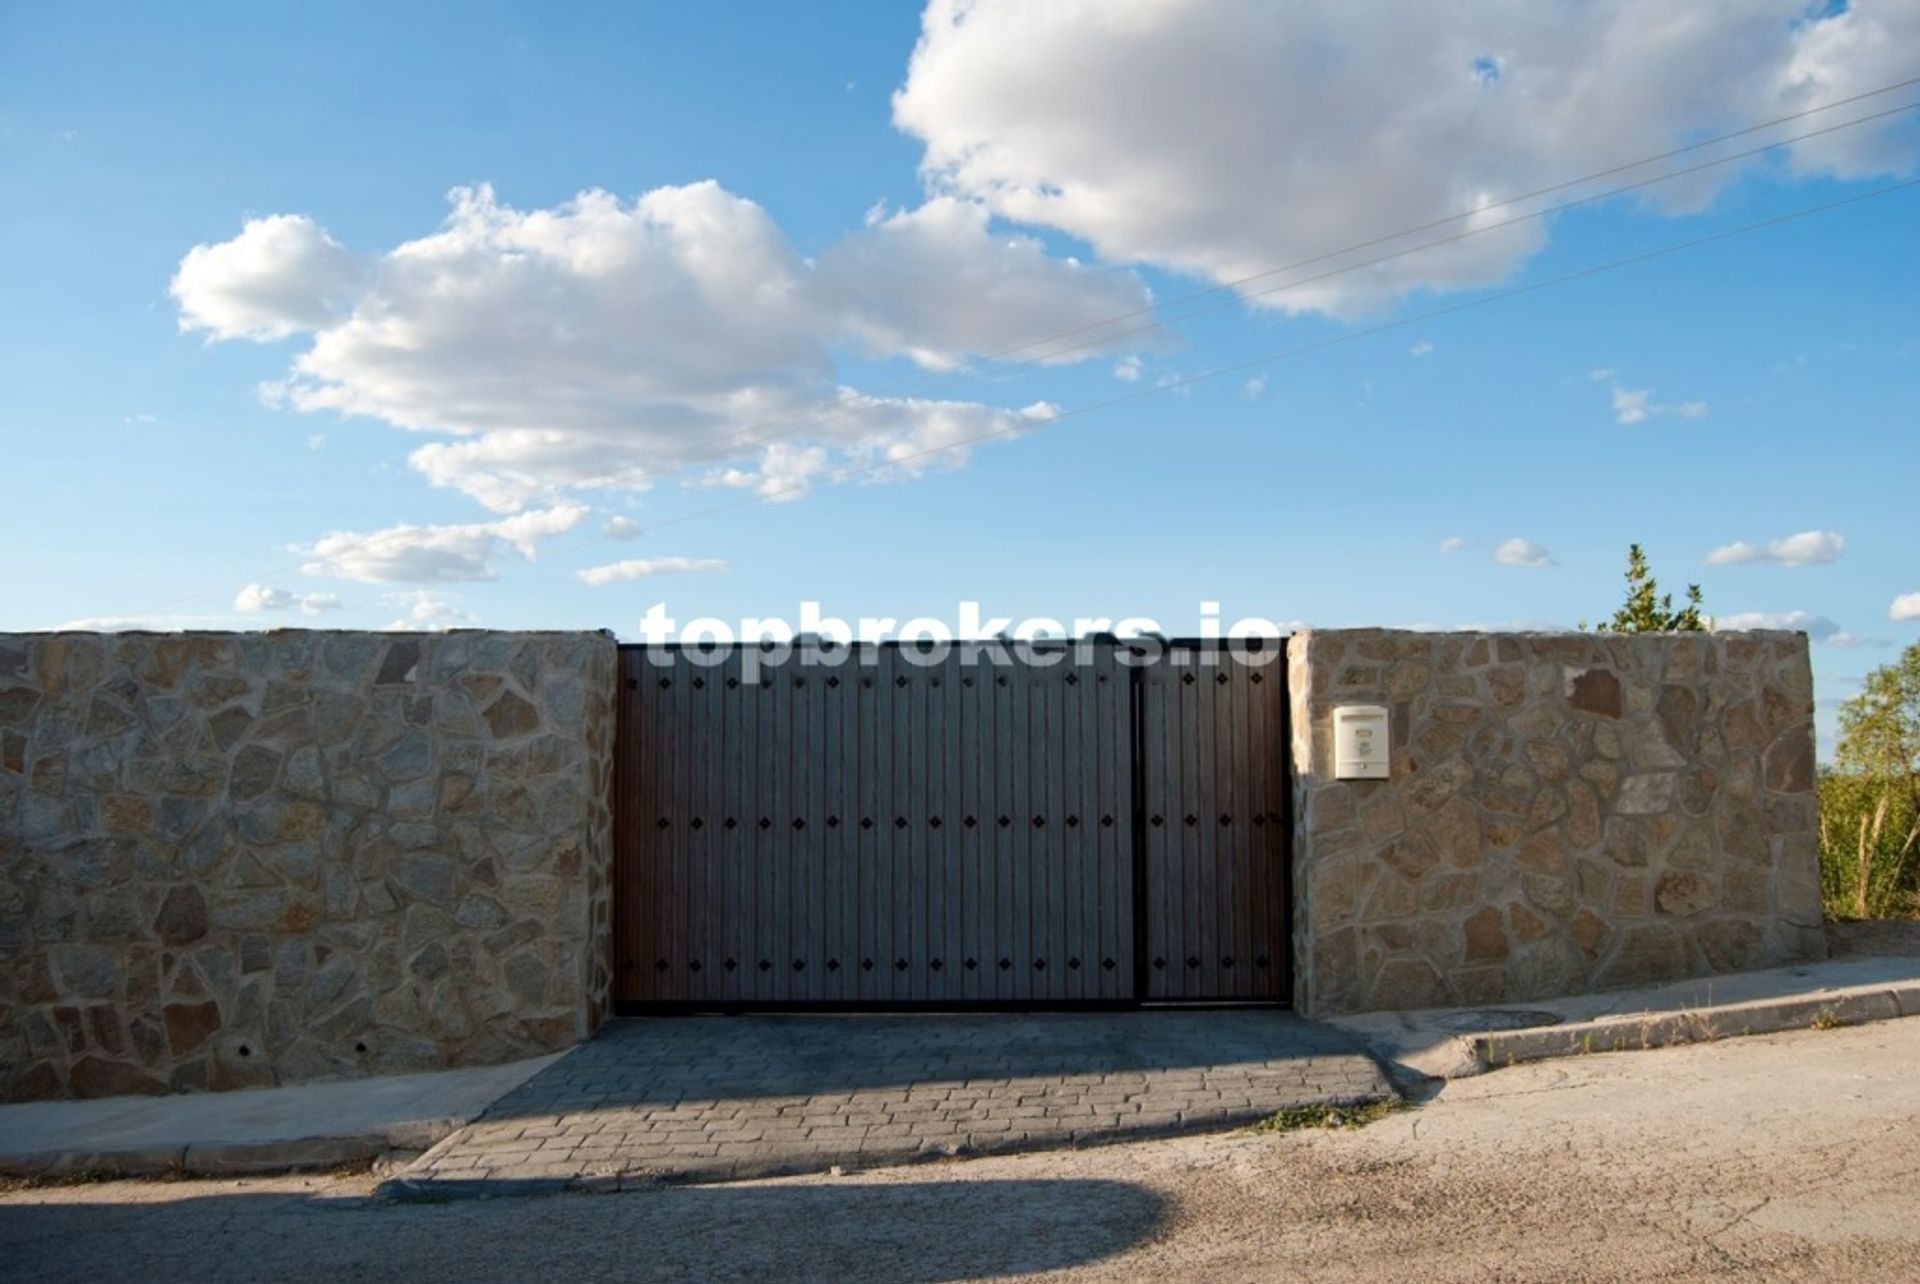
(315,440)
(280,276)
(140,419)
(255,598)
(1817,627)
(426,610)
(1082,115)
(601,343)
(640,568)
(1522,552)
(1420,348)
(1452,544)
(936,284)
(1127,370)
(1808,548)
(618,527)
(1905,607)
(406,554)
(1636,405)
(1629,407)
(1253,387)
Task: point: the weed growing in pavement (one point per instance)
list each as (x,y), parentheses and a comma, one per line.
(1296,1118)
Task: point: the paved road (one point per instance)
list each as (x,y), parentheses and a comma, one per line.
(707,1098)
(1788,1157)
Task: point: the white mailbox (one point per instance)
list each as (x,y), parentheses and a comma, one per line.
(1360,742)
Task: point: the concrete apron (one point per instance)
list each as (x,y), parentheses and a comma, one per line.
(695,1099)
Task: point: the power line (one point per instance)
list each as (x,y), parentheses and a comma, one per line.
(1235,283)
(1160,322)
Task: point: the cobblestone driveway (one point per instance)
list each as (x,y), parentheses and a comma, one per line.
(711,1098)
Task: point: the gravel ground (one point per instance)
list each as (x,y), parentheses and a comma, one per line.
(1788,1157)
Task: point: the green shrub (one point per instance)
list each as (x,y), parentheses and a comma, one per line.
(1869,846)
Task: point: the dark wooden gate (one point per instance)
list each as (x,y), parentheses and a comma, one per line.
(1212,796)
(898,829)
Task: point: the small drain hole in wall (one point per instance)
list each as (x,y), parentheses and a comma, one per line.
(245,1051)
(359,1047)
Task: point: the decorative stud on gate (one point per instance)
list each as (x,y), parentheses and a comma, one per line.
(1006,965)
(833,965)
(1107,965)
(899,965)
(1073,965)
(1106,822)
(799,822)
(697,823)
(1193,960)
(971,964)
(765,823)
(694,966)
(1155,821)
(1073,822)
(933,821)
(665,683)
(1039,965)
(866,822)
(729,823)
(969,822)
(732,683)
(1227,962)
(1187,679)
(1220,678)
(866,965)
(1261,962)
(699,684)
(799,965)
(1159,964)
(1004,821)
(660,965)
(764,965)
(899,822)
(935,964)
(730,965)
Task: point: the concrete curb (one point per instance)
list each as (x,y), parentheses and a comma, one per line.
(205,1159)
(1856,1006)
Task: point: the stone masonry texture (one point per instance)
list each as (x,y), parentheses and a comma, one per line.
(256,858)
(1566,813)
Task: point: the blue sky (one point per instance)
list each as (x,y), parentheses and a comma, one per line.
(881,219)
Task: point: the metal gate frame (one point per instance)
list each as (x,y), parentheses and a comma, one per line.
(1278,821)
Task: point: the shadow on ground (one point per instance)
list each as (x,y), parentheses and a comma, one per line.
(915,1231)
(645,1061)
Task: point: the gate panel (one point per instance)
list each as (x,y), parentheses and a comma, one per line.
(1213,805)
(877,831)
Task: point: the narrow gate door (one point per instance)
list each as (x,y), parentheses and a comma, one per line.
(1214,809)
(880,831)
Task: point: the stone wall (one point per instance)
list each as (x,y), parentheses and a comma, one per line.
(1566,812)
(237,859)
